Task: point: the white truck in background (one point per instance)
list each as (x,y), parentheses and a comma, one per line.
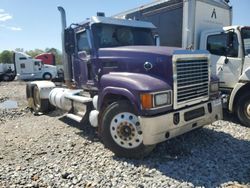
(206,25)
(28,68)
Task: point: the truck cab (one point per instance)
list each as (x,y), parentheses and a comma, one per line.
(28,68)
(135,93)
(96,43)
(230,49)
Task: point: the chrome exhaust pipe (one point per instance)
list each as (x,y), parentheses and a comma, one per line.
(67,65)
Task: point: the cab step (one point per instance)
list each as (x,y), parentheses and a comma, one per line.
(74,117)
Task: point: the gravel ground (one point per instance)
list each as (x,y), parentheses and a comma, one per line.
(53,151)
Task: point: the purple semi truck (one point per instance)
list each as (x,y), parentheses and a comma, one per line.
(135,93)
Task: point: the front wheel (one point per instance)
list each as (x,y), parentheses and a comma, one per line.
(47,76)
(243,109)
(121,131)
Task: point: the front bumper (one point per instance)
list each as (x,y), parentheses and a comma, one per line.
(160,128)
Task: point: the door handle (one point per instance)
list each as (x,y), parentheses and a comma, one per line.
(226,61)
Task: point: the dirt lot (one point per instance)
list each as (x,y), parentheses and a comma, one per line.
(53,151)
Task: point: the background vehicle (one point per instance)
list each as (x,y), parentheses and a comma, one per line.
(206,25)
(135,93)
(47,58)
(7,72)
(28,68)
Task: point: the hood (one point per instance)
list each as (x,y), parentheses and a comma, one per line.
(152,60)
(157,50)
(49,66)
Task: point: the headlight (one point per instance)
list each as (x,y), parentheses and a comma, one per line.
(162,99)
(155,100)
(214,87)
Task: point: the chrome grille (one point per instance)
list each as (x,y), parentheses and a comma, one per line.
(192,80)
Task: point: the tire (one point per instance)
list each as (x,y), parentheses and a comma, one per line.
(47,76)
(40,105)
(6,78)
(243,109)
(121,131)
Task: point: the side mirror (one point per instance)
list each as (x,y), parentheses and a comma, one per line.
(69,38)
(230,39)
(157,40)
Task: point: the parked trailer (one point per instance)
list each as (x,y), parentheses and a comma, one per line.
(135,93)
(206,25)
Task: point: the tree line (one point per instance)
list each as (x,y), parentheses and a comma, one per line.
(6,56)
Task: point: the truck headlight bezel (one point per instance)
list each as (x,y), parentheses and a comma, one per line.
(162,99)
(151,101)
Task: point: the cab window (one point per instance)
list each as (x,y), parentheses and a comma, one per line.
(22,65)
(217,45)
(37,63)
(82,42)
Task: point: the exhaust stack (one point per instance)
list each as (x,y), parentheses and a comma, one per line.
(67,65)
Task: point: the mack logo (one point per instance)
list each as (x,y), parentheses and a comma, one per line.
(214,14)
(148,66)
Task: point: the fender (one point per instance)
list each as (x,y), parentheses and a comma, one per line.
(119,91)
(129,85)
(245,77)
(44,87)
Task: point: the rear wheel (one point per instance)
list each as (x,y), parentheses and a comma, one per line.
(121,131)
(243,109)
(6,78)
(40,105)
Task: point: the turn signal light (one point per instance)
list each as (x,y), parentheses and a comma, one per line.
(147,101)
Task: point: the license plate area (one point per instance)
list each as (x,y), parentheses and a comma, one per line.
(194,114)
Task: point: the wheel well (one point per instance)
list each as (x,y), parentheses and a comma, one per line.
(47,73)
(107,100)
(244,89)
(110,98)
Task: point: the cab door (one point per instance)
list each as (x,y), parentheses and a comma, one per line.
(37,66)
(226,61)
(82,62)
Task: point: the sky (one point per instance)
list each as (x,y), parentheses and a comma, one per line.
(35,24)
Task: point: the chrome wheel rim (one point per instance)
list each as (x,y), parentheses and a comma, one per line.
(47,76)
(126,131)
(248,110)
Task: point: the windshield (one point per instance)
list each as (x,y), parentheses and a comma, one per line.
(246,40)
(114,35)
